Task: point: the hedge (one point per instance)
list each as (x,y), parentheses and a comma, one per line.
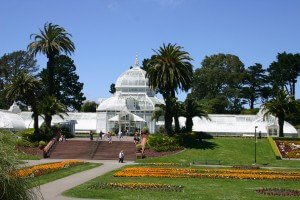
(274,148)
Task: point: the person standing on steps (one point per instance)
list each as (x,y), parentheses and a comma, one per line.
(121,157)
(91,135)
(100,135)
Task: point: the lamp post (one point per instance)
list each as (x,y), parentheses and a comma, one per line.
(255,145)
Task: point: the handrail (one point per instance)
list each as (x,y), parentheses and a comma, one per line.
(49,146)
(94,147)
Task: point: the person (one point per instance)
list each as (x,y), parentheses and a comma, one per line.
(120,135)
(61,138)
(91,135)
(121,157)
(136,138)
(100,135)
(109,137)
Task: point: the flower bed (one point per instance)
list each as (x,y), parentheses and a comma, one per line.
(138,186)
(278,192)
(38,170)
(207,173)
(288,148)
(163,164)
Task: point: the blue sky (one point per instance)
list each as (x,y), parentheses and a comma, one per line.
(108,33)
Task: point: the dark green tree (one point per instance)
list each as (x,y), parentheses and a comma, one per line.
(50,106)
(89,106)
(283,73)
(192,108)
(112,89)
(254,84)
(11,65)
(169,70)
(52,41)
(280,106)
(67,88)
(26,88)
(219,82)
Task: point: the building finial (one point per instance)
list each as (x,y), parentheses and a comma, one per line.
(136,63)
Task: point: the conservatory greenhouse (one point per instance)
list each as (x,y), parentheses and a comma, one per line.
(131,107)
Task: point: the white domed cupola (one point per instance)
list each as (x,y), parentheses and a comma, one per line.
(133,80)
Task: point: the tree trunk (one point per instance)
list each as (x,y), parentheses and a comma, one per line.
(35,118)
(176,117)
(189,124)
(168,116)
(50,66)
(48,119)
(280,123)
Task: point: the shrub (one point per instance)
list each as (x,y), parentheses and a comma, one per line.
(274,148)
(12,187)
(159,142)
(26,134)
(21,142)
(42,144)
(65,131)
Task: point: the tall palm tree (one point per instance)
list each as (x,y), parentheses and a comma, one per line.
(26,88)
(50,106)
(193,108)
(280,106)
(51,41)
(169,70)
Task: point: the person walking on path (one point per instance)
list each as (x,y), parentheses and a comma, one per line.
(121,157)
(120,135)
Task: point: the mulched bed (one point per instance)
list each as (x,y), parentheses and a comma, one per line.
(29,150)
(151,153)
(278,192)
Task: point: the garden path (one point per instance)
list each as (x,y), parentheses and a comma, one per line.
(54,189)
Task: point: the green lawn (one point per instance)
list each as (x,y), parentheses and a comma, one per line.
(60,174)
(230,151)
(193,188)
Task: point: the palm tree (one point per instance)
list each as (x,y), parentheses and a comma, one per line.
(192,108)
(50,106)
(51,41)
(169,70)
(280,106)
(26,87)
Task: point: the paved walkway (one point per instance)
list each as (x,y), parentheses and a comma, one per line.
(53,190)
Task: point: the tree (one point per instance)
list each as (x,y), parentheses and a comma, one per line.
(11,65)
(26,88)
(193,108)
(50,106)
(220,77)
(89,106)
(283,73)
(280,106)
(112,88)
(67,88)
(255,84)
(169,70)
(52,41)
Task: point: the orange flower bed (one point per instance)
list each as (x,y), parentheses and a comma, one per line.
(207,173)
(38,170)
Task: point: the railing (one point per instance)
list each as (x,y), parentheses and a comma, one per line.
(94,147)
(49,146)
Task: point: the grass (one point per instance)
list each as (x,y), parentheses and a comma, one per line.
(193,188)
(230,151)
(60,174)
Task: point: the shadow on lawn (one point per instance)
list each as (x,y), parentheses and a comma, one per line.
(199,140)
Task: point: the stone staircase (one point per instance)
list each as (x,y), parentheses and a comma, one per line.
(76,149)
(111,151)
